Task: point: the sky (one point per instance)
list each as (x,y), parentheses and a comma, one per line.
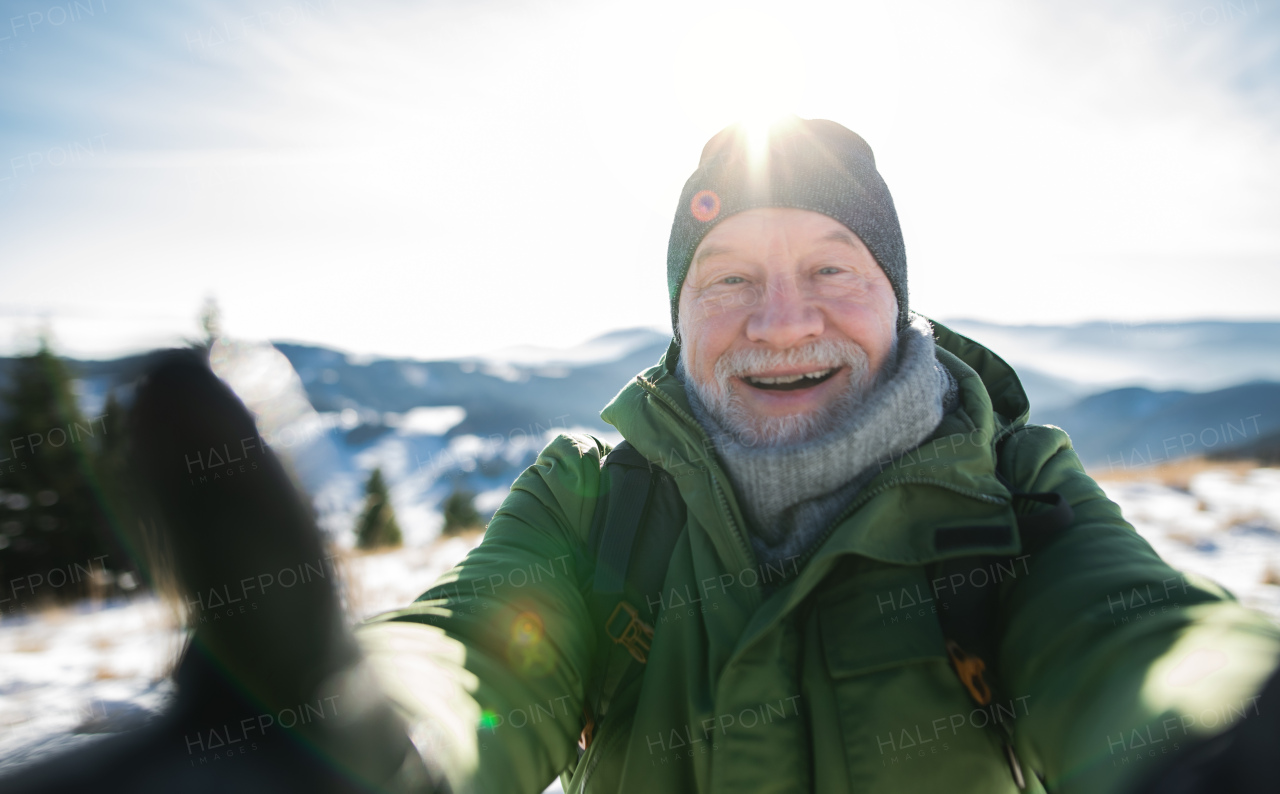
(441,179)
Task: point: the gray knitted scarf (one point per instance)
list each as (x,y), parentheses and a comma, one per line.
(791,494)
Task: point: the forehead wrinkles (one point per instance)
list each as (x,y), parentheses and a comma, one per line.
(769,240)
(741,234)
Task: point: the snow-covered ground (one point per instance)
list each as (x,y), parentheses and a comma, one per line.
(1225,526)
(69,669)
(74,670)
(381,581)
(99,666)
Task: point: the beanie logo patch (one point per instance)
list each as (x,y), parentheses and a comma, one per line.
(705,205)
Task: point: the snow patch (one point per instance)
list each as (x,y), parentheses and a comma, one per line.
(430,421)
(489,501)
(1225,527)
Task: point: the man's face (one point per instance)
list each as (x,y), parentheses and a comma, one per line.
(785,320)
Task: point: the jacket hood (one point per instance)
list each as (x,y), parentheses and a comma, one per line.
(1004,389)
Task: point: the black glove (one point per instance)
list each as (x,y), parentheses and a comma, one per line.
(272,693)
(1242,760)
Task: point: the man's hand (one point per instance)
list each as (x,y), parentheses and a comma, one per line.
(1242,760)
(273,694)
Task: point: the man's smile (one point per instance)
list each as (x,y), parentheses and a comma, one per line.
(790,382)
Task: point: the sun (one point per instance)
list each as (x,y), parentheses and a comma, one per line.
(758,126)
(748,68)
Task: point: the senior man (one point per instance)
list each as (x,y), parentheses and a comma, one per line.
(830,556)
(785,618)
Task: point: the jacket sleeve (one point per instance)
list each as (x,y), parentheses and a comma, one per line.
(488,666)
(1123,660)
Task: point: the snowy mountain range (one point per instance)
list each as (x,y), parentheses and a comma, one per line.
(1120,390)
(1059,364)
(1129,395)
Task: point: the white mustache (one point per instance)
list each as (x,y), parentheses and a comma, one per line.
(726,405)
(820,354)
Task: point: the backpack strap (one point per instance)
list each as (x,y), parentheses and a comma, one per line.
(968,616)
(614,528)
(634,529)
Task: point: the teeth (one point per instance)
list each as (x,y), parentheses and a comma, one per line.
(782,379)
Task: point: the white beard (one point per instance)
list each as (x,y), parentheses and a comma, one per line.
(725,404)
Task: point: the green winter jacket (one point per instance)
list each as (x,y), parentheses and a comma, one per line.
(838,680)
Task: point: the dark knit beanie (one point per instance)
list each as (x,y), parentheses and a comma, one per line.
(809,164)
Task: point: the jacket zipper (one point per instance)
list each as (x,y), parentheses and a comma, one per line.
(603,748)
(734,531)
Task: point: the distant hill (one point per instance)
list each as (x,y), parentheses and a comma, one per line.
(433,426)
(1135,427)
(1047,392)
(1264,450)
(1201,355)
(475,423)
(499,395)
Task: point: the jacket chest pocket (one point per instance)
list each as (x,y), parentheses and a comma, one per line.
(905,720)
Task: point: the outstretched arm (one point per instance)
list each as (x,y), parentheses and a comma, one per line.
(1126,661)
(489,665)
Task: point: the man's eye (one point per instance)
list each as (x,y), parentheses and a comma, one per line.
(732,280)
(828,271)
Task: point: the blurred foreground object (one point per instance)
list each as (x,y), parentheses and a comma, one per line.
(273,694)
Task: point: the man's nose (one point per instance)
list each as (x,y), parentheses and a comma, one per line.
(784,315)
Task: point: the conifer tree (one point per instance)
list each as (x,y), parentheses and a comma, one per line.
(460,513)
(54,533)
(377,524)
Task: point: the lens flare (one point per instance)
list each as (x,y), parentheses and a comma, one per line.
(528,653)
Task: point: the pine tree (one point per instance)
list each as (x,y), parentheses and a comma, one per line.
(460,513)
(210,322)
(55,535)
(377,525)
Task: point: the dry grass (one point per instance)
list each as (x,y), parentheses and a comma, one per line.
(1174,474)
(28,644)
(466,534)
(1247,518)
(346,561)
(1183,538)
(105,674)
(44,608)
